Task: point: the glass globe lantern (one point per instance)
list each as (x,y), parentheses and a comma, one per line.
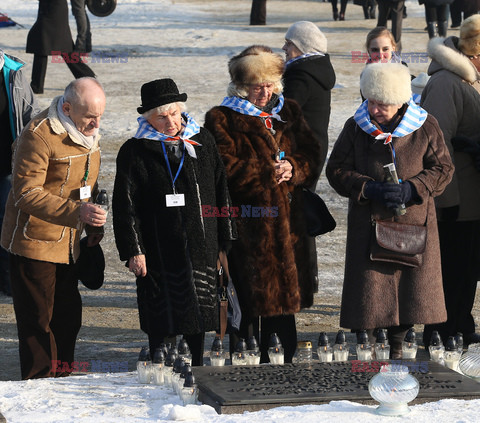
(470,362)
(393,387)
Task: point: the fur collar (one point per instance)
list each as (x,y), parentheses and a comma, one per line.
(445,55)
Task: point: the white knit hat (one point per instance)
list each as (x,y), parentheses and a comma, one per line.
(389,83)
(307,37)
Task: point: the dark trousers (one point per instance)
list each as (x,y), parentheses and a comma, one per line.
(48,309)
(456,9)
(195,343)
(460,252)
(258,13)
(395,9)
(5,185)
(284,326)
(343,6)
(84,36)
(39,71)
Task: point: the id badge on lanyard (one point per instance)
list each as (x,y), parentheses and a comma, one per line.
(176,199)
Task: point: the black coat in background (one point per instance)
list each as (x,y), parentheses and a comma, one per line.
(178,295)
(50,32)
(309,81)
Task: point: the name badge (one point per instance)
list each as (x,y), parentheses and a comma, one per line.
(85,192)
(175,200)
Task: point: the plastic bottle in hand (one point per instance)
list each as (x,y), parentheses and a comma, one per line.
(102,200)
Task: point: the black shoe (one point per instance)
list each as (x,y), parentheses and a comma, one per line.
(471,338)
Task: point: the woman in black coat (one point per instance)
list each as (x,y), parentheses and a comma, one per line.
(50,35)
(169,188)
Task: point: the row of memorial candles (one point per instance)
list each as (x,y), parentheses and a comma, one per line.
(449,354)
(170,366)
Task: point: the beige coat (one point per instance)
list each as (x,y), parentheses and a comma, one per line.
(42,213)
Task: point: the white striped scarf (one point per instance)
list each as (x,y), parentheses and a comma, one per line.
(190,128)
(413,119)
(244,107)
(303,56)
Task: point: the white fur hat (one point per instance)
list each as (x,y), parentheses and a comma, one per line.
(388,83)
(418,84)
(469,42)
(307,37)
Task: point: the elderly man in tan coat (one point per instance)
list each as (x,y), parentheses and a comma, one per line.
(55,168)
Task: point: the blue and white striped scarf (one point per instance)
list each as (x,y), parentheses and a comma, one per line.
(190,128)
(413,119)
(244,107)
(303,57)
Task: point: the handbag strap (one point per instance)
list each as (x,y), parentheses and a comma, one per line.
(223,303)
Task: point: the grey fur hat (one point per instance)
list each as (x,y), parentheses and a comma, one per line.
(389,83)
(307,37)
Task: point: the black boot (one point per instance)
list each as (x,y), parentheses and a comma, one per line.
(432,29)
(442,28)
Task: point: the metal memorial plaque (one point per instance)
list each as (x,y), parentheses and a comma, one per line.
(234,389)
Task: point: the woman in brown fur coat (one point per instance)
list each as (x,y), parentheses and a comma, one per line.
(390,128)
(269,154)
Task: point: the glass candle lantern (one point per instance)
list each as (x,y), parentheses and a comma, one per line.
(184,351)
(451,356)
(275,350)
(217,353)
(436,348)
(382,348)
(340,349)
(239,357)
(363,347)
(324,350)
(189,392)
(470,362)
(303,353)
(158,363)
(393,387)
(144,366)
(409,345)
(253,352)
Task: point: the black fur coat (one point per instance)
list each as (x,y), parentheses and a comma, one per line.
(269,261)
(178,294)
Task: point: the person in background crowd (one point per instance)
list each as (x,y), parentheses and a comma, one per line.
(55,169)
(390,128)
(270,155)
(172,246)
(17,105)
(83,42)
(50,35)
(436,15)
(309,78)
(418,84)
(452,95)
(393,9)
(381,46)
(258,12)
(456,10)
(343,9)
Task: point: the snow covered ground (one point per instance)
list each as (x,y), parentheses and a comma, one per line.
(191,41)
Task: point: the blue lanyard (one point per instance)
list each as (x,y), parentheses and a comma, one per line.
(170,169)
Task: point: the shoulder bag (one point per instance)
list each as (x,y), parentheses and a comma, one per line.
(317,216)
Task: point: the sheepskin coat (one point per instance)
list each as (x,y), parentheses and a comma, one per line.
(309,80)
(452,96)
(379,294)
(181,244)
(42,213)
(269,261)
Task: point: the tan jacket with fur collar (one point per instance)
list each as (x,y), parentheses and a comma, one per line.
(42,213)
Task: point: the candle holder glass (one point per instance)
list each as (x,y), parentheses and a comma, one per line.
(325,353)
(393,387)
(470,362)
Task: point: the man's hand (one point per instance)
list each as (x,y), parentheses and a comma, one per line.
(138,265)
(92,214)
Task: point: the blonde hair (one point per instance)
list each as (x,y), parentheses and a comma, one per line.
(380,31)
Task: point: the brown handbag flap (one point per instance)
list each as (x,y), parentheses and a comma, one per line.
(401,237)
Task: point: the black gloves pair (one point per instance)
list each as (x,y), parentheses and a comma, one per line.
(392,195)
(470,146)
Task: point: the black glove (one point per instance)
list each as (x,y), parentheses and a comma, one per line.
(392,195)
(448,214)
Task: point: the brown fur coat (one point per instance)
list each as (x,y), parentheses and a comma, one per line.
(269,261)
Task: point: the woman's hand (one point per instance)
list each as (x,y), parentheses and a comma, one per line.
(138,265)
(283,171)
